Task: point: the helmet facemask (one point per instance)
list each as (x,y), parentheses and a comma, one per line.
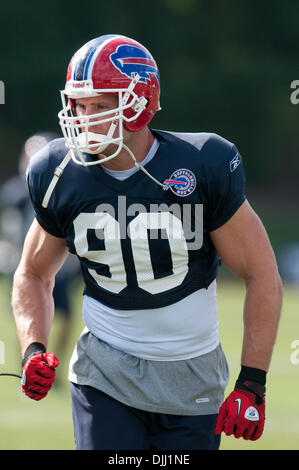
(76,129)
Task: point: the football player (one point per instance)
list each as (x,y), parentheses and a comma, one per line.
(149,214)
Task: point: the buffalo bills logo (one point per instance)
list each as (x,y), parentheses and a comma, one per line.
(182,182)
(130,60)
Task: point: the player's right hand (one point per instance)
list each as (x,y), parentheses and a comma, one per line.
(38,375)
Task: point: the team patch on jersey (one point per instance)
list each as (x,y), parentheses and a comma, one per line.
(182,182)
(130,60)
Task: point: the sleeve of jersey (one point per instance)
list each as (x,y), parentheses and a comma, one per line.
(226,188)
(45,217)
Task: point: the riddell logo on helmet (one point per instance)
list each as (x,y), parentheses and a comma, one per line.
(83,84)
(79,85)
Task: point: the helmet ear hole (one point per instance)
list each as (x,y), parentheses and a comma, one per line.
(140,104)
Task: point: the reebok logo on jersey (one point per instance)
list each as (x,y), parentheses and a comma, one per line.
(235,162)
(252,414)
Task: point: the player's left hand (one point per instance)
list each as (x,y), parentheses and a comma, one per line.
(243,412)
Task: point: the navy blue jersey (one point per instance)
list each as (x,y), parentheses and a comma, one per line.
(141,246)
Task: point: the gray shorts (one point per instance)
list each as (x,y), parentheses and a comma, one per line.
(186,387)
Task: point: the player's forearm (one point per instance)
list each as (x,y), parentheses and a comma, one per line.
(261,318)
(33,308)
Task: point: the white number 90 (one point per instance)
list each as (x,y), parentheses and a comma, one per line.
(138,232)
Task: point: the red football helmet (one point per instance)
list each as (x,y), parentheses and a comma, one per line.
(109,64)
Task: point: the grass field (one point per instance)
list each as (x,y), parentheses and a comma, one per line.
(25,424)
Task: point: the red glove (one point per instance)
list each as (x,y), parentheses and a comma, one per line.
(38,375)
(243,412)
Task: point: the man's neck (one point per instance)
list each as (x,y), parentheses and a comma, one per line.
(139,144)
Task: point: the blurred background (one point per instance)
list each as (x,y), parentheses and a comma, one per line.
(225,67)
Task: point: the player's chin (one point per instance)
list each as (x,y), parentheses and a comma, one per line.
(108,151)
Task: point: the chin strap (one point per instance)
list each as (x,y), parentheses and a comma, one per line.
(59,170)
(140,167)
(57,173)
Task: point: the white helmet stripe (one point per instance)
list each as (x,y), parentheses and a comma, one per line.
(83,58)
(94,56)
